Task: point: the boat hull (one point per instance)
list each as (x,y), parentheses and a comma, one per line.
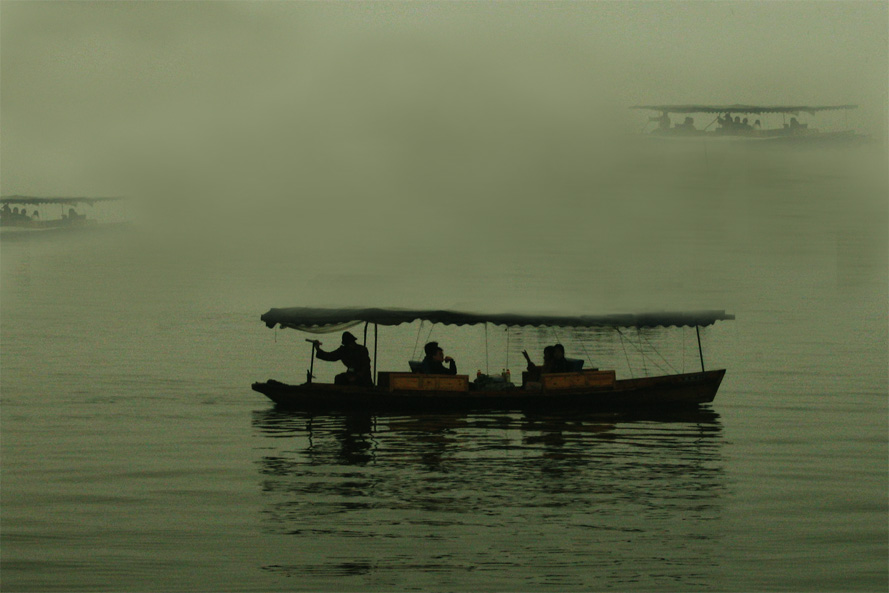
(12,232)
(670,391)
(765,137)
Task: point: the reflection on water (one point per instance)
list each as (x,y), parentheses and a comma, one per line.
(532,500)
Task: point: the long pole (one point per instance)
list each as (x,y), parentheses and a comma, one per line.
(700,350)
(375,353)
(311,372)
(711,123)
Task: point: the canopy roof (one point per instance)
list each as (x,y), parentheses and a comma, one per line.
(38,200)
(331,320)
(794,109)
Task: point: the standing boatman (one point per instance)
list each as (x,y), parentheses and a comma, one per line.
(354,356)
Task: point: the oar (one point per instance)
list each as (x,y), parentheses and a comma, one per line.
(311,372)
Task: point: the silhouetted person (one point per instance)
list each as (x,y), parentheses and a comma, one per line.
(534,371)
(433,363)
(354,356)
(20,215)
(560,364)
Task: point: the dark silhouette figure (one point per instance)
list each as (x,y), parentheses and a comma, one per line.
(534,371)
(354,356)
(433,363)
(560,364)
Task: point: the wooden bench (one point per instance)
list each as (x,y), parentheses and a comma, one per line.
(421,382)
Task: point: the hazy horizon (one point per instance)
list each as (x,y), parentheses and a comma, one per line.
(140,98)
(416,143)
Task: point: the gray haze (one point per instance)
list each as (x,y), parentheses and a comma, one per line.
(370,136)
(476,156)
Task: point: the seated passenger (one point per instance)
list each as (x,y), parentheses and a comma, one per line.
(535,371)
(433,363)
(354,356)
(560,364)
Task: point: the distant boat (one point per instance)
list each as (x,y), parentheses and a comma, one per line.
(14,213)
(739,122)
(589,390)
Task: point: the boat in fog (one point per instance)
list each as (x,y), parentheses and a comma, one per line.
(574,387)
(22,213)
(745,123)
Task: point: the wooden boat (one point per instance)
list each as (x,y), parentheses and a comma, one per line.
(731,126)
(591,389)
(17,219)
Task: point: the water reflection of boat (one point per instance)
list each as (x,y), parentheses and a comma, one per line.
(355,437)
(424,499)
(14,215)
(742,122)
(592,389)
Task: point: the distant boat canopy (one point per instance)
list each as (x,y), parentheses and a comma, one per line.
(38,200)
(316,320)
(791,109)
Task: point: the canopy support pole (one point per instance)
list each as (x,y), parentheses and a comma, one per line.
(507,347)
(487,364)
(417,341)
(375,353)
(311,372)
(700,350)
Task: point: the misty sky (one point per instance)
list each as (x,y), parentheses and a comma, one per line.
(127,98)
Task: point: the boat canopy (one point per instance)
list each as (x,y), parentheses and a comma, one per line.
(330,320)
(39,200)
(793,109)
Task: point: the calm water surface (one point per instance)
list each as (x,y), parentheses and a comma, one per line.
(135,457)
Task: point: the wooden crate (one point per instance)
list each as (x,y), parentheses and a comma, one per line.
(581,380)
(419,382)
